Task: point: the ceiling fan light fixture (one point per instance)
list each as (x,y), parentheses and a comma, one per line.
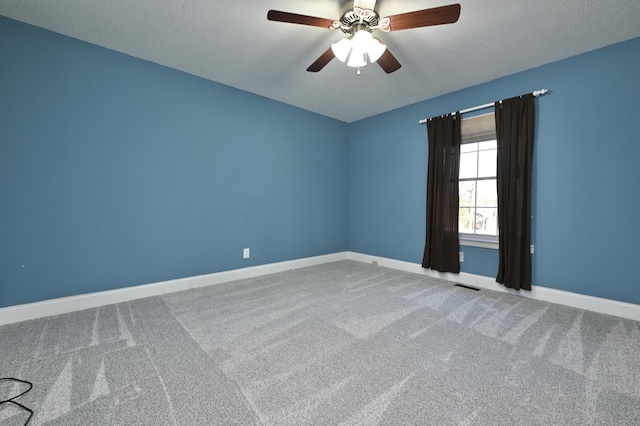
(361,40)
(363,45)
(341,49)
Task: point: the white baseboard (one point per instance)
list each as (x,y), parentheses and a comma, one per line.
(63,305)
(575,300)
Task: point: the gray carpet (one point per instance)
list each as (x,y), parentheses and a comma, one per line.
(343,343)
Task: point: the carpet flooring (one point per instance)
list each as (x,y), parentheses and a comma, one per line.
(343,343)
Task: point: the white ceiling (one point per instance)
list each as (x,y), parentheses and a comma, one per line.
(232,42)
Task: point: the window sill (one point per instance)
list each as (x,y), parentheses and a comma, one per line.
(478,242)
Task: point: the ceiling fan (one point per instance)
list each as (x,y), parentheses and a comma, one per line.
(359,20)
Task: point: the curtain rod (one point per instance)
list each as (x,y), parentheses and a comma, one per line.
(535,93)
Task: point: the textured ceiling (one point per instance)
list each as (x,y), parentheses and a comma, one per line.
(232,42)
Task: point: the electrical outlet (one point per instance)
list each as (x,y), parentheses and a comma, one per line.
(245,253)
(532,249)
(461,256)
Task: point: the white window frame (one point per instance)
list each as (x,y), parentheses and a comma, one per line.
(479,128)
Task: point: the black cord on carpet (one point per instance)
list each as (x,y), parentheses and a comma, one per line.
(11,400)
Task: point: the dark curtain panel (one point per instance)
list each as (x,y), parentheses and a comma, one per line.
(514,131)
(442,245)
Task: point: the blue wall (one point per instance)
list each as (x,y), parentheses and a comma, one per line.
(586,174)
(116,172)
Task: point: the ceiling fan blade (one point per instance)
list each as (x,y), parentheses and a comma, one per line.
(323,60)
(364,4)
(364,8)
(388,62)
(425,18)
(294,18)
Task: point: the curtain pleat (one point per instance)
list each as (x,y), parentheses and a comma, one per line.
(442,245)
(514,130)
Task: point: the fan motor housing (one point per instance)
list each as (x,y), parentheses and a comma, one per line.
(349,20)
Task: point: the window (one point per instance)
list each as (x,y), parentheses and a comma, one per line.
(478,214)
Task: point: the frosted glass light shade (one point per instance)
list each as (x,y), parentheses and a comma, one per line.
(341,49)
(357,59)
(361,41)
(376,49)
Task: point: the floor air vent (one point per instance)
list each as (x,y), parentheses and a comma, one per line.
(466,286)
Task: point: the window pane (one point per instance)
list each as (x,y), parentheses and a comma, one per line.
(487,221)
(487,193)
(488,161)
(468,165)
(465,220)
(468,147)
(488,145)
(467,193)
(478,200)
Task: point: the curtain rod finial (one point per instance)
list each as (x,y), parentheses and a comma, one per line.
(540,92)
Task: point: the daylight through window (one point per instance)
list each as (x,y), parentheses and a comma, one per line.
(478,215)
